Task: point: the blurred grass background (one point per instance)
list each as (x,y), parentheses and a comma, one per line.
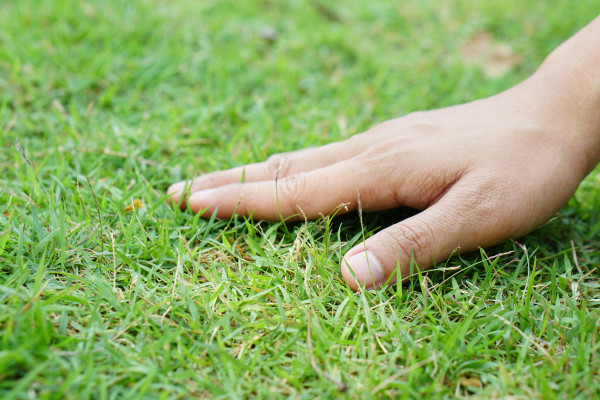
(112,101)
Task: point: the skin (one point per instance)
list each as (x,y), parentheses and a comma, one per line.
(481,172)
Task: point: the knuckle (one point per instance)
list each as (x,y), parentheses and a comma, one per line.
(274,157)
(390,124)
(355,140)
(421,122)
(483,196)
(292,191)
(411,239)
(380,157)
(377,151)
(215,178)
(417,116)
(278,165)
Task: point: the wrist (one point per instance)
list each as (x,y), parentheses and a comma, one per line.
(570,78)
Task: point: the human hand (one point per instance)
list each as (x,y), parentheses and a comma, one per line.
(481,173)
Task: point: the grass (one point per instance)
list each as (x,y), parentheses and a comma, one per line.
(111,101)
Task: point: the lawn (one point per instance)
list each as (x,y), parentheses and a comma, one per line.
(108,292)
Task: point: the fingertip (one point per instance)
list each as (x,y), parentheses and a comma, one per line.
(201,200)
(176,187)
(391,255)
(175,194)
(362,269)
(347,274)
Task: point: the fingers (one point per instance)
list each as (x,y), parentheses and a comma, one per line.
(302,195)
(277,166)
(383,179)
(454,224)
(384,176)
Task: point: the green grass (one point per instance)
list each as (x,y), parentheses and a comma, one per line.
(112,101)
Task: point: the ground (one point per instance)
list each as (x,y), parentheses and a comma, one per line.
(108,292)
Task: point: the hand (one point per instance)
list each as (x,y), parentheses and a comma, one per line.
(481,172)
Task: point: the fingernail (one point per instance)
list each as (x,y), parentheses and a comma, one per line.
(201,198)
(177,189)
(367,269)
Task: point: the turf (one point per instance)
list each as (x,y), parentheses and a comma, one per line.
(107,292)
